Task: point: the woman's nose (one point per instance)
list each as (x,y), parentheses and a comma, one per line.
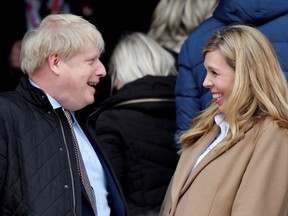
(207,83)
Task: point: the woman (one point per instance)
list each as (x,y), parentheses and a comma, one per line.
(136,125)
(269,16)
(234,157)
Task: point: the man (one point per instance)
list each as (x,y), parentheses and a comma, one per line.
(40,171)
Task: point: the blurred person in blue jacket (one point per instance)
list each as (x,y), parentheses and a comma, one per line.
(269,16)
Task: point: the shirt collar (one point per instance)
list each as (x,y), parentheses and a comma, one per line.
(222,123)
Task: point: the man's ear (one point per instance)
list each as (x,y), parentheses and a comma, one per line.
(53,62)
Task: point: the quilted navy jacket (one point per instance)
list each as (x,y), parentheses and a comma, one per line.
(38,172)
(269,16)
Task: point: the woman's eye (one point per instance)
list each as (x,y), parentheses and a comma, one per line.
(213,73)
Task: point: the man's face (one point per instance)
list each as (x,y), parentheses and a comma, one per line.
(80,75)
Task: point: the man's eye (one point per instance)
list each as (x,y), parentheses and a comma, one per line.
(91,61)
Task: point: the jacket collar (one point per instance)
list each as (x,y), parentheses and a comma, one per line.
(32,94)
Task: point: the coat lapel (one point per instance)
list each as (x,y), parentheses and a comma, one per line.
(183,174)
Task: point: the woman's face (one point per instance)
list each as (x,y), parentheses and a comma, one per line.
(219,78)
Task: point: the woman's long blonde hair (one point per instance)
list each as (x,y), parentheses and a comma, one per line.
(260,87)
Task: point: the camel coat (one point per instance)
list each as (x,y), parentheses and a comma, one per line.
(250,179)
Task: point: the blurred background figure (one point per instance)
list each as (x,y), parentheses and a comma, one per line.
(136,125)
(174,20)
(270,17)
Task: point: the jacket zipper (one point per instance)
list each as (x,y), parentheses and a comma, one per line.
(70,166)
(144,100)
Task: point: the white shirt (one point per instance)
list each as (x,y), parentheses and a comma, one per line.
(93,166)
(224,126)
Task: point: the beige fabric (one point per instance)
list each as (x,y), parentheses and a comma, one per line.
(250,179)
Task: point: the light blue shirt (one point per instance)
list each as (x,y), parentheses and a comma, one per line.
(93,166)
